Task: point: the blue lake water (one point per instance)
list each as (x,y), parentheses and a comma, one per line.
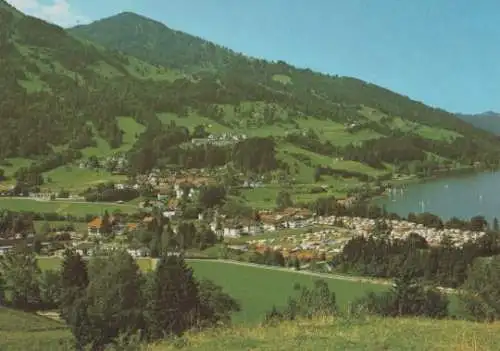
(461,196)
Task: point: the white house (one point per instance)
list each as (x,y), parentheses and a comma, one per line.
(139,252)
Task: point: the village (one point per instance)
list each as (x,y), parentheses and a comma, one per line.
(292,231)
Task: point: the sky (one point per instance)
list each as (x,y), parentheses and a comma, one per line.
(445,53)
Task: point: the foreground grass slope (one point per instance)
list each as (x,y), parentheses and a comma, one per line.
(26,331)
(368,334)
(20,331)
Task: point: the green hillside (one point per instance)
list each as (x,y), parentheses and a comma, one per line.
(27,331)
(127,85)
(340,334)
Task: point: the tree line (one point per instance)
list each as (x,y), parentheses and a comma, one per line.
(107,298)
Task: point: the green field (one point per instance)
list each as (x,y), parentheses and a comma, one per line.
(131,129)
(79,226)
(339,334)
(79,209)
(259,289)
(193,120)
(21,331)
(77,179)
(54,263)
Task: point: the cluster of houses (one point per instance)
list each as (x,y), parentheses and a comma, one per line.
(219,140)
(329,239)
(266,221)
(401,229)
(116,163)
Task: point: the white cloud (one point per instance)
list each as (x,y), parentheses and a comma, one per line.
(59,12)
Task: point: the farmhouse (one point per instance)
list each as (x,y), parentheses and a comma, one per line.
(85,249)
(95,227)
(232,229)
(139,252)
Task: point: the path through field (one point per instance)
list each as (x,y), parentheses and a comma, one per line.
(291,270)
(319,275)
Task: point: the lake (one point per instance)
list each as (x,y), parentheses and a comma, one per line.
(462,196)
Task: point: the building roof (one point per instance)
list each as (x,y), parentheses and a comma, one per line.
(95,223)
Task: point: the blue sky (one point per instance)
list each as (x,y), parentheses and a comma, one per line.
(445,53)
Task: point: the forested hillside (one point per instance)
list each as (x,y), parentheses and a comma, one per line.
(132,84)
(154,42)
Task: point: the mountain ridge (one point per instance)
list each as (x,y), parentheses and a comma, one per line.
(488,120)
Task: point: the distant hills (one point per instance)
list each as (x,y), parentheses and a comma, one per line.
(72,89)
(488,120)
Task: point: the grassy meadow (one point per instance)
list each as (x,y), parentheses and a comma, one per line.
(259,289)
(79,209)
(20,331)
(367,334)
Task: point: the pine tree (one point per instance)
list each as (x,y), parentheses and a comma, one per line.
(20,275)
(114,298)
(106,223)
(296,264)
(73,305)
(173,299)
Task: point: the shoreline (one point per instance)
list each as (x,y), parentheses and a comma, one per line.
(410,180)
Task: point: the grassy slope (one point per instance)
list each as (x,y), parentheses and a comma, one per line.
(25,331)
(63,207)
(368,334)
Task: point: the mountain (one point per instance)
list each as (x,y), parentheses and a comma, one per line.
(154,42)
(488,120)
(130,84)
(59,89)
